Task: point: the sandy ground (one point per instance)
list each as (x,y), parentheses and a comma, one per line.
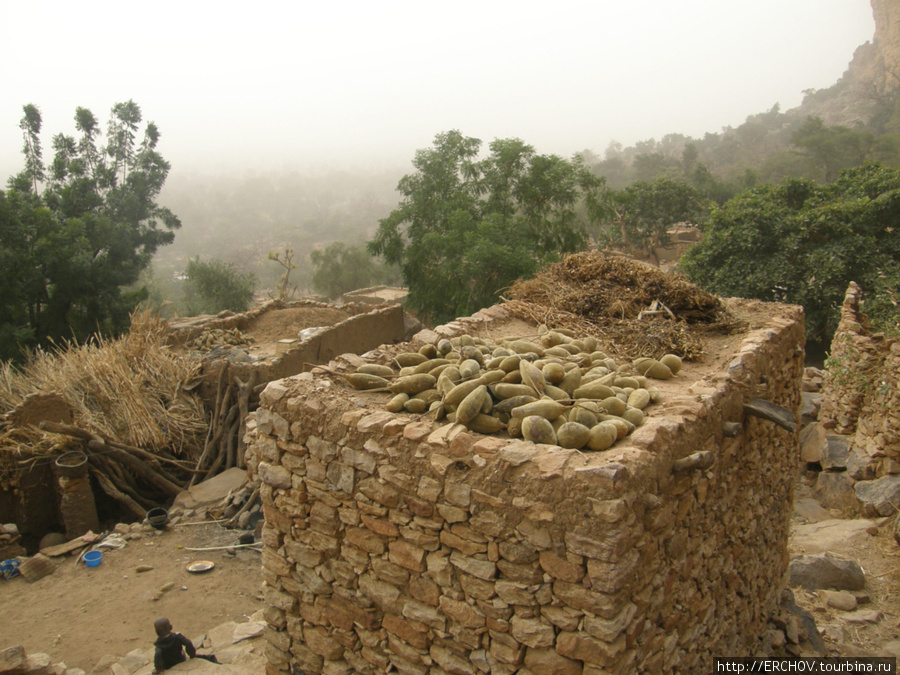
(78,614)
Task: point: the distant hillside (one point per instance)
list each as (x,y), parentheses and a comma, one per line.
(860,117)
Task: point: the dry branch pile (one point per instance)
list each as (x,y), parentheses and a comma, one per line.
(634,308)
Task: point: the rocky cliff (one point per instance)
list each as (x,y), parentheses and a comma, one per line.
(873,72)
(885,73)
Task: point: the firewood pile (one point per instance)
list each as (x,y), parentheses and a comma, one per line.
(131,405)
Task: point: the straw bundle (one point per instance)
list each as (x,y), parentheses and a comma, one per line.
(127,389)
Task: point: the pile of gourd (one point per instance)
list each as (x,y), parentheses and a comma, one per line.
(559,390)
(213,337)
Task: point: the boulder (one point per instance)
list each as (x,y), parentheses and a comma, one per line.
(812,443)
(809,407)
(826,571)
(879,496)
(13,659)
(835,453)
(834,490)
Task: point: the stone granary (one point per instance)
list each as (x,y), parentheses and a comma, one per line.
(397,543)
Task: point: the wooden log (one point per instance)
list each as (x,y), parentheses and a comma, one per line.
(245,390)
(767,410)
(140,469)
(110,489)
(69,430)
(220,455)
(122,479)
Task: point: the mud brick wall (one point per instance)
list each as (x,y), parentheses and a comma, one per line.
(394,544)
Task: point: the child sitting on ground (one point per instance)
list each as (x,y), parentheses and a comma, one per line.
(171,647)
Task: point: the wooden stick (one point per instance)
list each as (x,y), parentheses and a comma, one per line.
(222,548)
(231,440)
(247,505)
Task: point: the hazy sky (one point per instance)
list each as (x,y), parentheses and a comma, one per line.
(297,83)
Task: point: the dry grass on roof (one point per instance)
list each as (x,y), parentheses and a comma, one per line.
(128,390)
(609,296)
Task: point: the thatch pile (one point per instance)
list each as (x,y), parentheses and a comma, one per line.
(634,308)
(125,402)
(129,389)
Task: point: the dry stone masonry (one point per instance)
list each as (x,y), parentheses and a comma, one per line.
(394,543)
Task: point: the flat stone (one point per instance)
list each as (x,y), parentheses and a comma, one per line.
(863,616)
(213,490)
(222,635)
(827,535)
(810,510)
(248,631)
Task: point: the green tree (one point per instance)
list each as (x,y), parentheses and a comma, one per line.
(832,149)
(81,230)
(467,228)
(806,242)
(645,211)
(214,285)
(341,268)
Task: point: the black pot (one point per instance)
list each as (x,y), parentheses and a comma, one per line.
(158,517)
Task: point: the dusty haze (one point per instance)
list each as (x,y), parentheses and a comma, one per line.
(278,84)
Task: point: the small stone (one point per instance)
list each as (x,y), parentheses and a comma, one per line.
(842,600)
(143,568)
(834,631)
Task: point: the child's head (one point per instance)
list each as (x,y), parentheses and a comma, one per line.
(162,626)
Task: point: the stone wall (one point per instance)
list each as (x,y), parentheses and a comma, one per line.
(861,399)
(395,544)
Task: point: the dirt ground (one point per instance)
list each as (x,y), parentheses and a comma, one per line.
(878,554)
(79,614)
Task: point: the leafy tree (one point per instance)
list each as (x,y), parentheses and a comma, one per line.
(215,285)
(81,230)
(645,211)
(467,228)
(832,149)
(806,242)
(340,268)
